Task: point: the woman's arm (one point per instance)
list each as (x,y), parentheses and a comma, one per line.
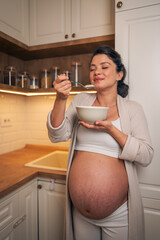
(108,127)
(63,87)
(135,146)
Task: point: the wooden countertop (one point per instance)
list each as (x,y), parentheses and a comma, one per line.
(14,174)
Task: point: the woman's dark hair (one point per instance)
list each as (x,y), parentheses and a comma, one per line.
(122,88)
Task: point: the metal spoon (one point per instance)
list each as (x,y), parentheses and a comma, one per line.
(88,86)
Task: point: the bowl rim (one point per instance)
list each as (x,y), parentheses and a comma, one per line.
(92,107)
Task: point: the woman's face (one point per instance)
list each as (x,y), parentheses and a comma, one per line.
(103,74)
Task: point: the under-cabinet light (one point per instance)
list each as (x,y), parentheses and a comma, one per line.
(39,93)
(13,92)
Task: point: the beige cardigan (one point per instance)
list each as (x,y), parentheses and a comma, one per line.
(137,150)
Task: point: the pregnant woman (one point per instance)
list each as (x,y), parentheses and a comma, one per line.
(103,198)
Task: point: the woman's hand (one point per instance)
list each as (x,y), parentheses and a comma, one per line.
(108,127)
(98,125)
(62,85)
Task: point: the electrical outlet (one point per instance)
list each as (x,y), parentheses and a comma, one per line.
(5,121)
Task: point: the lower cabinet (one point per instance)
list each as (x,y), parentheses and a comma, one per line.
(18,214)
(35,211)
(51,199)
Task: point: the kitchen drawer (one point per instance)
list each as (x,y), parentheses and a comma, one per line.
(8,211)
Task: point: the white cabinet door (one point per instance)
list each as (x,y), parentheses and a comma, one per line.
(51,210)
(14,19)
(28,211)
(138,41)
(18,214)
(8,210)
(8,217)
(63,20)
(49,21)
(131,4)
(92,18)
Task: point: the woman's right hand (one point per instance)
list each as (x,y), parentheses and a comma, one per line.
(62,85)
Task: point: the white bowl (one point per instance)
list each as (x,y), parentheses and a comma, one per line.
(90,114)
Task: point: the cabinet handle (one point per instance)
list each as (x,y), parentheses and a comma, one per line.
(73,35)
(39,186)
(119,4)
(66,36)
(19,221)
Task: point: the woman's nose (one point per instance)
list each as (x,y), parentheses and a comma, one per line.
(97,71)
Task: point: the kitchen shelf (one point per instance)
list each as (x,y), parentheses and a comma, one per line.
(4,88)
(17,49)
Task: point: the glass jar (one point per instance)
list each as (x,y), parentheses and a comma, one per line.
(10,75)
(27,74)
(34,82)
(22,81)
(45,78)
(55,73)
(76,73)
(68,74)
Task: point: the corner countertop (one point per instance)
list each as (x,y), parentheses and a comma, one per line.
(13,173)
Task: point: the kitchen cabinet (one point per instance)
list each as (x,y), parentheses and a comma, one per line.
(18,213)
(31,29)
(28,208)
(130,4)
(14,19)
(8,217)
(59,21)
(137,40)
(51,198)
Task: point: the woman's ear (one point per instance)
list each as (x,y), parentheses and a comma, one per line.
(119,75)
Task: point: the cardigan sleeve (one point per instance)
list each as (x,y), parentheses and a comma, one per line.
(64,131)
(138,147)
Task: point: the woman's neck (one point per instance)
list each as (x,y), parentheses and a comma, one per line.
(106,100)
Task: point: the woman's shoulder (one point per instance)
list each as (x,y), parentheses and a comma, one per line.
(130,103)
(131,106)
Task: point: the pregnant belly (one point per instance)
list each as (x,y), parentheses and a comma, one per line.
(98,184)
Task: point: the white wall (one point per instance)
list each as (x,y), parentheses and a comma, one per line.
(27,121)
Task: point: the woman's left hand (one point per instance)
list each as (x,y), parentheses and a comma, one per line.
(108,127)
(98,125)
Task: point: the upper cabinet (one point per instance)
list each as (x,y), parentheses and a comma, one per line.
(33,29)
(130,4)
(63,20)
(92,18)
(49,21)
(14,19)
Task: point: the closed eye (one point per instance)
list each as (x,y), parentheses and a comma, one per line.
(104,67)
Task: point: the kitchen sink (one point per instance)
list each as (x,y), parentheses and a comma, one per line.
(56,160)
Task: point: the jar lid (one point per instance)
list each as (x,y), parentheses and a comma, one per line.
(34,77)
(55,67)
(20,75)
(45,70)
(25,73)
(76,63)
(10,68)
(66,71)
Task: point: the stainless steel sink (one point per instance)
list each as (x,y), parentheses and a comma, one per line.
(56,160)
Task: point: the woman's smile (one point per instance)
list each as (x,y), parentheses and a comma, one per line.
(98,79)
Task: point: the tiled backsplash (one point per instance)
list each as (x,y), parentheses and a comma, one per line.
(25,121)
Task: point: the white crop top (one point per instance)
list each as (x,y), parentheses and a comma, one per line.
(97,141)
